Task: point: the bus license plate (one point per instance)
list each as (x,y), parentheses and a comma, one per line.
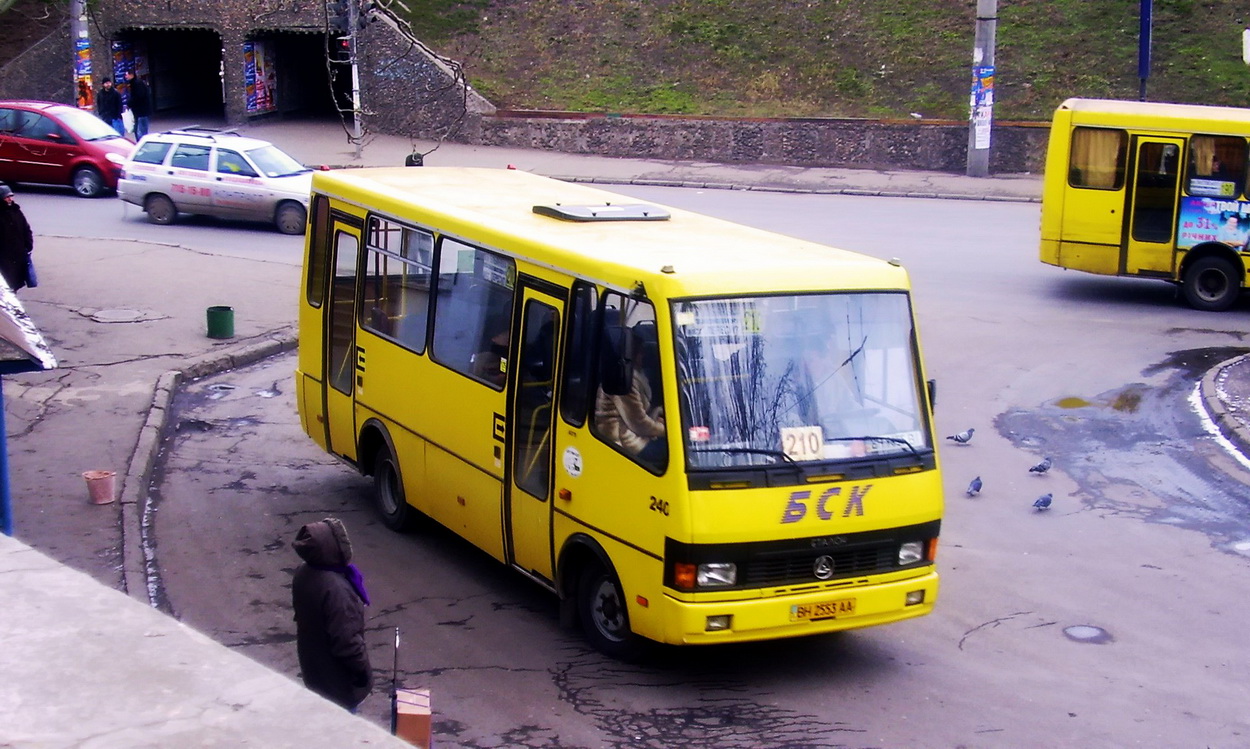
(823,610)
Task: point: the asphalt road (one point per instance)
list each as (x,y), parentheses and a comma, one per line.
(1111,620)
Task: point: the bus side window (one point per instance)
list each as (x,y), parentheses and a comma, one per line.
(473,311)
(318,251)
(1097,158)
(396,298)
(1217,166)
(579,352)
(629,410)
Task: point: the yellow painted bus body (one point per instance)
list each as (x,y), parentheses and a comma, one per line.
(1139,189)
(454,437)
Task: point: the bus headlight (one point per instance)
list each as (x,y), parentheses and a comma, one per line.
(910,553)
(687,576)
(717,575)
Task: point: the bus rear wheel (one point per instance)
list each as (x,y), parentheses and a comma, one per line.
(388,490)
(604,615)
(1212,284)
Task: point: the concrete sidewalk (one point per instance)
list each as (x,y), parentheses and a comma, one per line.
(126,321)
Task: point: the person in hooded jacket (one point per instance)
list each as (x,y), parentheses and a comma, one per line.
(329,598)
(16,241)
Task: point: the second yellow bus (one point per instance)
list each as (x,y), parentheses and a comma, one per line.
(1152,190)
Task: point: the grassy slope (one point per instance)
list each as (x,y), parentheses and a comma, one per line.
(830,57)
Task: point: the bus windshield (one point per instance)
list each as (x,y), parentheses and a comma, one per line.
(810,377)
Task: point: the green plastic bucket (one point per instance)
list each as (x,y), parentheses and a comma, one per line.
(221,322)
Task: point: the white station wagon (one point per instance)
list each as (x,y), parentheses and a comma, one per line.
(216,173)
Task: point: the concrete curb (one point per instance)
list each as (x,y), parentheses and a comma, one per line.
(858,191)
(138,564)
(1229,425)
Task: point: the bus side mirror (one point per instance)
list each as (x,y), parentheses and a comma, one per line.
(932,385)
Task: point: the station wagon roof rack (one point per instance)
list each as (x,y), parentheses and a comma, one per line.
(202,132)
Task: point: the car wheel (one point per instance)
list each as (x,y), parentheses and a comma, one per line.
(87,182)
(291,218)
(1212,283)
(160,209)
(388,490)
(604,615)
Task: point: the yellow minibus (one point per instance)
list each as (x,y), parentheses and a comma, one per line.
(689,430)
(1150,189)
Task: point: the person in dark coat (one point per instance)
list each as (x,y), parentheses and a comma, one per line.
(108,106)
(329,598)
(16,240)
(140,102)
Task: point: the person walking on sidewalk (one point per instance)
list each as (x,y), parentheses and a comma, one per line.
(16,241)
(140,102)
(108,106)
(329,598)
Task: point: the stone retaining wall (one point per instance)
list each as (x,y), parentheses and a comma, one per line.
(863,144)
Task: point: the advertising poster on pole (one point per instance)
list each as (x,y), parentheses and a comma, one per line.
(982,105)
(85,96)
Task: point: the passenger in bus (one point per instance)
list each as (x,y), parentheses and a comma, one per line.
(634,420)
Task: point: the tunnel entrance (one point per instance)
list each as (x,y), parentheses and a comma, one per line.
(287,75)
(183,68)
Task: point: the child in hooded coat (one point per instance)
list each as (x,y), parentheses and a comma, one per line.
(329,599)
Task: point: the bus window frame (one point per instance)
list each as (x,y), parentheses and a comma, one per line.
(602,322)
(580,356)
(1238,179)
(1121,161)
(369,249)
(433,347)
(318,259)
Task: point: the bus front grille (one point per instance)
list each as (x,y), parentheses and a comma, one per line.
(800,566)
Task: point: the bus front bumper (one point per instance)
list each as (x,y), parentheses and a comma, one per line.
(706,623)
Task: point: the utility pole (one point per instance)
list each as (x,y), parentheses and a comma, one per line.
(82,47)
(981,104)
(353,16)
(1143,45)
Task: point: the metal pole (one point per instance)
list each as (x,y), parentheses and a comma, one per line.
(981,106)
(81,41)
(1143,45)
(353,15)
(6,503)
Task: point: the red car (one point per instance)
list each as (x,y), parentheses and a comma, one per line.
(55,144)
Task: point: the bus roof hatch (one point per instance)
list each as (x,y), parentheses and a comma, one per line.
(604,212)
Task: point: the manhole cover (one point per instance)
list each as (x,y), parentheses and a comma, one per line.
(1087,633)
(122,315)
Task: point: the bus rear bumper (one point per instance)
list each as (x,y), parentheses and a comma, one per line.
(771,618)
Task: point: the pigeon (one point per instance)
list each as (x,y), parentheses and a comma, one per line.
(974,487)
(963,437)
(1042,467)
(1043,502)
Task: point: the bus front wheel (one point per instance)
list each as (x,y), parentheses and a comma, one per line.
(604,616)
(1212,284)
(388,489)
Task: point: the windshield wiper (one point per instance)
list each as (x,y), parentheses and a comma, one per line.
(745,450)
(897,440)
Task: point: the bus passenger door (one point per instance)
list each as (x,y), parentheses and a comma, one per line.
(531,424)
(1150,241)
(341,357)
